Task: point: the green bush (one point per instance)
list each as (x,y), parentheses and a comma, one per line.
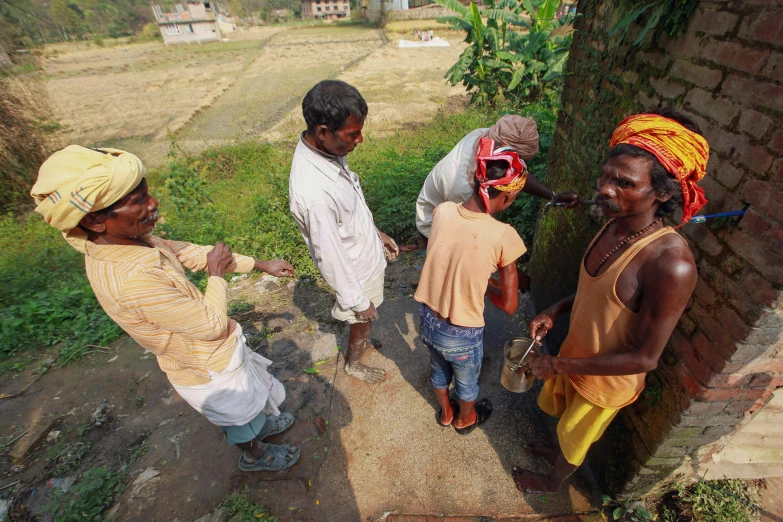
(45,297)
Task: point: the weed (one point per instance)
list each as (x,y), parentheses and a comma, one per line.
(726,500)
(67,457)
(239,508)
(633,510)
(138,452)
(139,401)
(92,494)
(240,307)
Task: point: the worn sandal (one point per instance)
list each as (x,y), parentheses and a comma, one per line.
(483,411)
(276,458)
(275,424)
(454,409)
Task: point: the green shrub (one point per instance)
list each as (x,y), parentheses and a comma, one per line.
(92,494)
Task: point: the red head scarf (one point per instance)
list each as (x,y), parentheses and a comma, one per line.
(516,173)
(682,152)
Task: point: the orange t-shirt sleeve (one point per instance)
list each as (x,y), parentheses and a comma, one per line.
(512,247)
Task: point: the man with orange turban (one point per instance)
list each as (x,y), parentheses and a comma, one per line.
(98,199)
(453,177)
(634,283)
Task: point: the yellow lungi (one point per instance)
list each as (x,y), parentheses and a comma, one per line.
(581,421)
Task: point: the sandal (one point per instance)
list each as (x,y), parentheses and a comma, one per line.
(483,411)
(275,424)
(455,412)
(276,458)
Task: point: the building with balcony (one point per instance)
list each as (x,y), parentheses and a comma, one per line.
(193,22)
(325,9)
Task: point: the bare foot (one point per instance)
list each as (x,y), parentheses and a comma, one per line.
(529,482)
(446,417)
(542,449)
(365,373)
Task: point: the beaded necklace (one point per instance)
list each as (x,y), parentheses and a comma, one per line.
(619,245)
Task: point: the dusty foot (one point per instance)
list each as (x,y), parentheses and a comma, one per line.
(365,373)
(542,449)
(529,482)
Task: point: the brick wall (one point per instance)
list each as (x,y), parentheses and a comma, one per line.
(726,357)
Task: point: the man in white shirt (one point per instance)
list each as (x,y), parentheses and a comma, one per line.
(330,210)
(452,178)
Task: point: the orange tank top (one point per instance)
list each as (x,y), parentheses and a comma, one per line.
(602,325)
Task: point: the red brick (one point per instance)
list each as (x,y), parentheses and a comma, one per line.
(725,419)
(755,157)
(757,192)
(774,206)
(726,143)
(704,238)
(728,380)
(776,143)
(766,27)
(764,364)
(769,263)
(731,290)
(733,324)
(704,294)
(774,238)
(777,170)
(720,431)
(754,123)
(740,406)
(719,109)
(754,224)
(686,44)
(735,56)
(696,74)
(706,408)
(658,60)
(729,175)
(766,380)
(774,68)
(721,342)
(759,289)
(697,366)
(707,351)
(713,22)
(753,92)
(667,89)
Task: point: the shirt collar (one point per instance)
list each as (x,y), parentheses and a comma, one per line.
(137,255)
(328,164)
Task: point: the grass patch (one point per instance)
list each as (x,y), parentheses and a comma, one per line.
(89,498)
(727,500)
(239,508)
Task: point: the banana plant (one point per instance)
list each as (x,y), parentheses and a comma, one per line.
(514,53)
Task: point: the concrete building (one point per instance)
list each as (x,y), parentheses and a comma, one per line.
(325,9)
(193,22)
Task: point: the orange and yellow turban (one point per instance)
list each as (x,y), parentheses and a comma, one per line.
(516,173)
(682,152)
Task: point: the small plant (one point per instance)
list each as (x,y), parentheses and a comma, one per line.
(633,510)
(240,307)
(92,494)
(138,452)
(726,500)
(67,457)
(239,508)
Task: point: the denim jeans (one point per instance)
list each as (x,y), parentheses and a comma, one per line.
(455,351)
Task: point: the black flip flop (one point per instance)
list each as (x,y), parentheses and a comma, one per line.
(454,409)
(483,411)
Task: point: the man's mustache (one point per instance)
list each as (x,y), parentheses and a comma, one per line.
(608,203)
(153,217)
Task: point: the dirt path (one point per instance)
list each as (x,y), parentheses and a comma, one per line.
(381,451)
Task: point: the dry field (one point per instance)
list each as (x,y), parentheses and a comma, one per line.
(136,95)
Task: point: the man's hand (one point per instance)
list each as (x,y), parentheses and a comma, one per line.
(219,259)
(542,367)
(368,315)
(275,267)
(541,324)
(389,246)
(570,197)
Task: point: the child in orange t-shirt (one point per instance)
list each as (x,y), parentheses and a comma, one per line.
(467,245)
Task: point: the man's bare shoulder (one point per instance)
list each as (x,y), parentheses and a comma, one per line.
(670,261)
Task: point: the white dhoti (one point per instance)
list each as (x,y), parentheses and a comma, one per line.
(239,393)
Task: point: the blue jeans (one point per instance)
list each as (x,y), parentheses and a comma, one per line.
(455,351)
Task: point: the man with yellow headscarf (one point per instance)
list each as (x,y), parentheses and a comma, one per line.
(98,199)
(634,283)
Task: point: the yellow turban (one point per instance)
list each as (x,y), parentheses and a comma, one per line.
(76,181)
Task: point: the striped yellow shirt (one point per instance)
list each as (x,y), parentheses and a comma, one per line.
(145,290)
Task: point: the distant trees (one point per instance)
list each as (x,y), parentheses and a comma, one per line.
(26,23)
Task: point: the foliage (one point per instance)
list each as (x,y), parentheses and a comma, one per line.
(239,508)
(45,297)
(669,16)
(518,53)
(89,498)
(633,510)
(24,137)
(726,500)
